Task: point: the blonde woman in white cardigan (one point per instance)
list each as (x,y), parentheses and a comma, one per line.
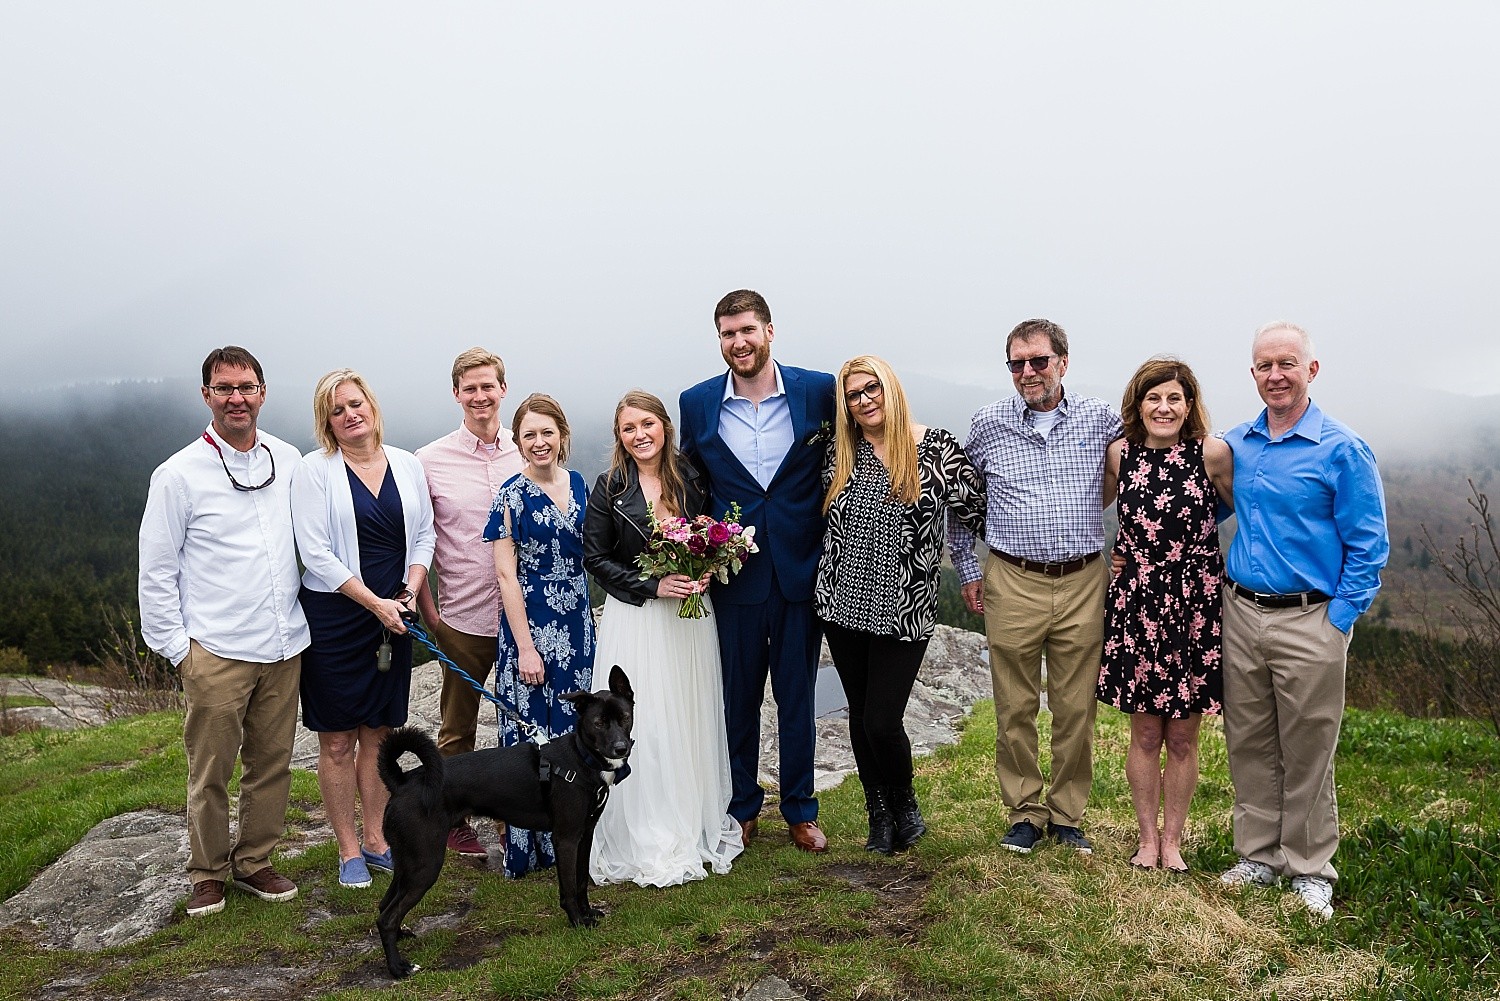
(363,520)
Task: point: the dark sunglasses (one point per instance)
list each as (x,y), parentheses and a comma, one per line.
(1038,364)
(236,483)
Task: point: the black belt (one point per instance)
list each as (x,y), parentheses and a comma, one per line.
(1050,569)
(1299,600)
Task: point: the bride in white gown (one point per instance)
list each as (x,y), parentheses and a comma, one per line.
(669,818)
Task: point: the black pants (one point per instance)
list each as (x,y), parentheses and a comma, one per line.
(877,673)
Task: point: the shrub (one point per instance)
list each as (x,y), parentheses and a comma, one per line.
(13,661)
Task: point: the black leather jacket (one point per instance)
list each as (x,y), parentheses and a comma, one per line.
(617,527)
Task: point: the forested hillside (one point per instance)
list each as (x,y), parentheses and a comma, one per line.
(74,485)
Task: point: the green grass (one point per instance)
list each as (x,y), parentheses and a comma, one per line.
(955,918)
(10,700)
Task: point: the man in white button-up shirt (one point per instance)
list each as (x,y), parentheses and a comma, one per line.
(218,594)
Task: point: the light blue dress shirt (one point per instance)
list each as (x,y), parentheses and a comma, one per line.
(759,436)
(1311,513)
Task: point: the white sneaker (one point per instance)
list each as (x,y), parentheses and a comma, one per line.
(1248,873)
(1317,893)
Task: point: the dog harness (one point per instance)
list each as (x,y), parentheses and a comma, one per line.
(545,771)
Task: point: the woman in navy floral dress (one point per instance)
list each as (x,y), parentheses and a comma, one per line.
(1162,639)
(546,630)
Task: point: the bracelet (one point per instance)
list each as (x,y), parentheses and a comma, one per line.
(405,594)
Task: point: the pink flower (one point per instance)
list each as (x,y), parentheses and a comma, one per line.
(718,533)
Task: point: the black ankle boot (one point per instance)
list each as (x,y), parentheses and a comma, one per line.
(882,824)
(908,816)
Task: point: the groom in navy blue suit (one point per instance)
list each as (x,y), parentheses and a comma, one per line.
(752,432)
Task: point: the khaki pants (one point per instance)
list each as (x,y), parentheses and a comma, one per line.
(459,700)
(1283,703)
(236,708)
(1025,614)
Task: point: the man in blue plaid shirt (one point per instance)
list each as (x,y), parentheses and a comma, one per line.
(1041,453)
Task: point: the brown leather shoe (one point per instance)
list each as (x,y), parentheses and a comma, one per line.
(207,898)
(809,837)
(747,830)
(267,884)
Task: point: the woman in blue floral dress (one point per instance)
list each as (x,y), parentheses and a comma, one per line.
(546,629)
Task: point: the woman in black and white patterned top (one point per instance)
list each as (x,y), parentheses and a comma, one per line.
(891,485)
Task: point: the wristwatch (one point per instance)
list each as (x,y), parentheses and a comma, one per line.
(405,594)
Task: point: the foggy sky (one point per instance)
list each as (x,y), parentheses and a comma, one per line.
(574,186)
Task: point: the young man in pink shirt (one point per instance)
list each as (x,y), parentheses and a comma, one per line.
(465,469)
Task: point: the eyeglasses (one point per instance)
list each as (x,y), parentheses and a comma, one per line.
(1038,364)
(232,481)
(245,389)
(871,392)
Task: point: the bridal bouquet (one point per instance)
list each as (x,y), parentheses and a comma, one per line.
(696,547)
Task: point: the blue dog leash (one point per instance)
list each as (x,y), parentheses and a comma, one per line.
(533,732)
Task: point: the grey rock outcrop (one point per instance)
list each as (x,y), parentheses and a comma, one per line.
(73,706)
(773,988)
(117,885)
(954,675)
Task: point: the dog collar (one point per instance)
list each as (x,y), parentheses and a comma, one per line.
(599,765)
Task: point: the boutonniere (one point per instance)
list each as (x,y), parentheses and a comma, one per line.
(822,436)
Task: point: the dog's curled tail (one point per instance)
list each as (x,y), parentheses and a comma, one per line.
(399,742)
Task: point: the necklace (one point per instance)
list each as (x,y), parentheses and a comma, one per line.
(363,465)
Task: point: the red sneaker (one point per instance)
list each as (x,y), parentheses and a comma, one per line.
(465,842)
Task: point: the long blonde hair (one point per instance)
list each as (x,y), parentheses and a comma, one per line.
(672,491)
(900,446)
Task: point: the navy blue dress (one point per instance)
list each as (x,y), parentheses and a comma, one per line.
(341,688)
(549,565)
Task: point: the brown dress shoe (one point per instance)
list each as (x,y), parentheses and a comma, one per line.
(267,884)
(207,898)
(747,830)
(809,837)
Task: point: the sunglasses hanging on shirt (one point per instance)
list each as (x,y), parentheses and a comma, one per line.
(234,482)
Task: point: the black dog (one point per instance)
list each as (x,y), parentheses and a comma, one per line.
(560,787)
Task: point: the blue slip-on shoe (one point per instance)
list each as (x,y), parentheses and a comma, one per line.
(380,862)
(354,874)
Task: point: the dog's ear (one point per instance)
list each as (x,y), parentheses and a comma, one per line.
(620,684)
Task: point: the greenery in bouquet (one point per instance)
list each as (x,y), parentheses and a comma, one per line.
(696,547)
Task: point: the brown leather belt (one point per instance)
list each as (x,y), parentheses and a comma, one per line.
(1050,569)
(1299,600)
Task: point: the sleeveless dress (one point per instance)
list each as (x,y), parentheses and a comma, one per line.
(549,564)
(341,689)
(1162,629)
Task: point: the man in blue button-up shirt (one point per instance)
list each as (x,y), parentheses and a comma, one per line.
(1305,563)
